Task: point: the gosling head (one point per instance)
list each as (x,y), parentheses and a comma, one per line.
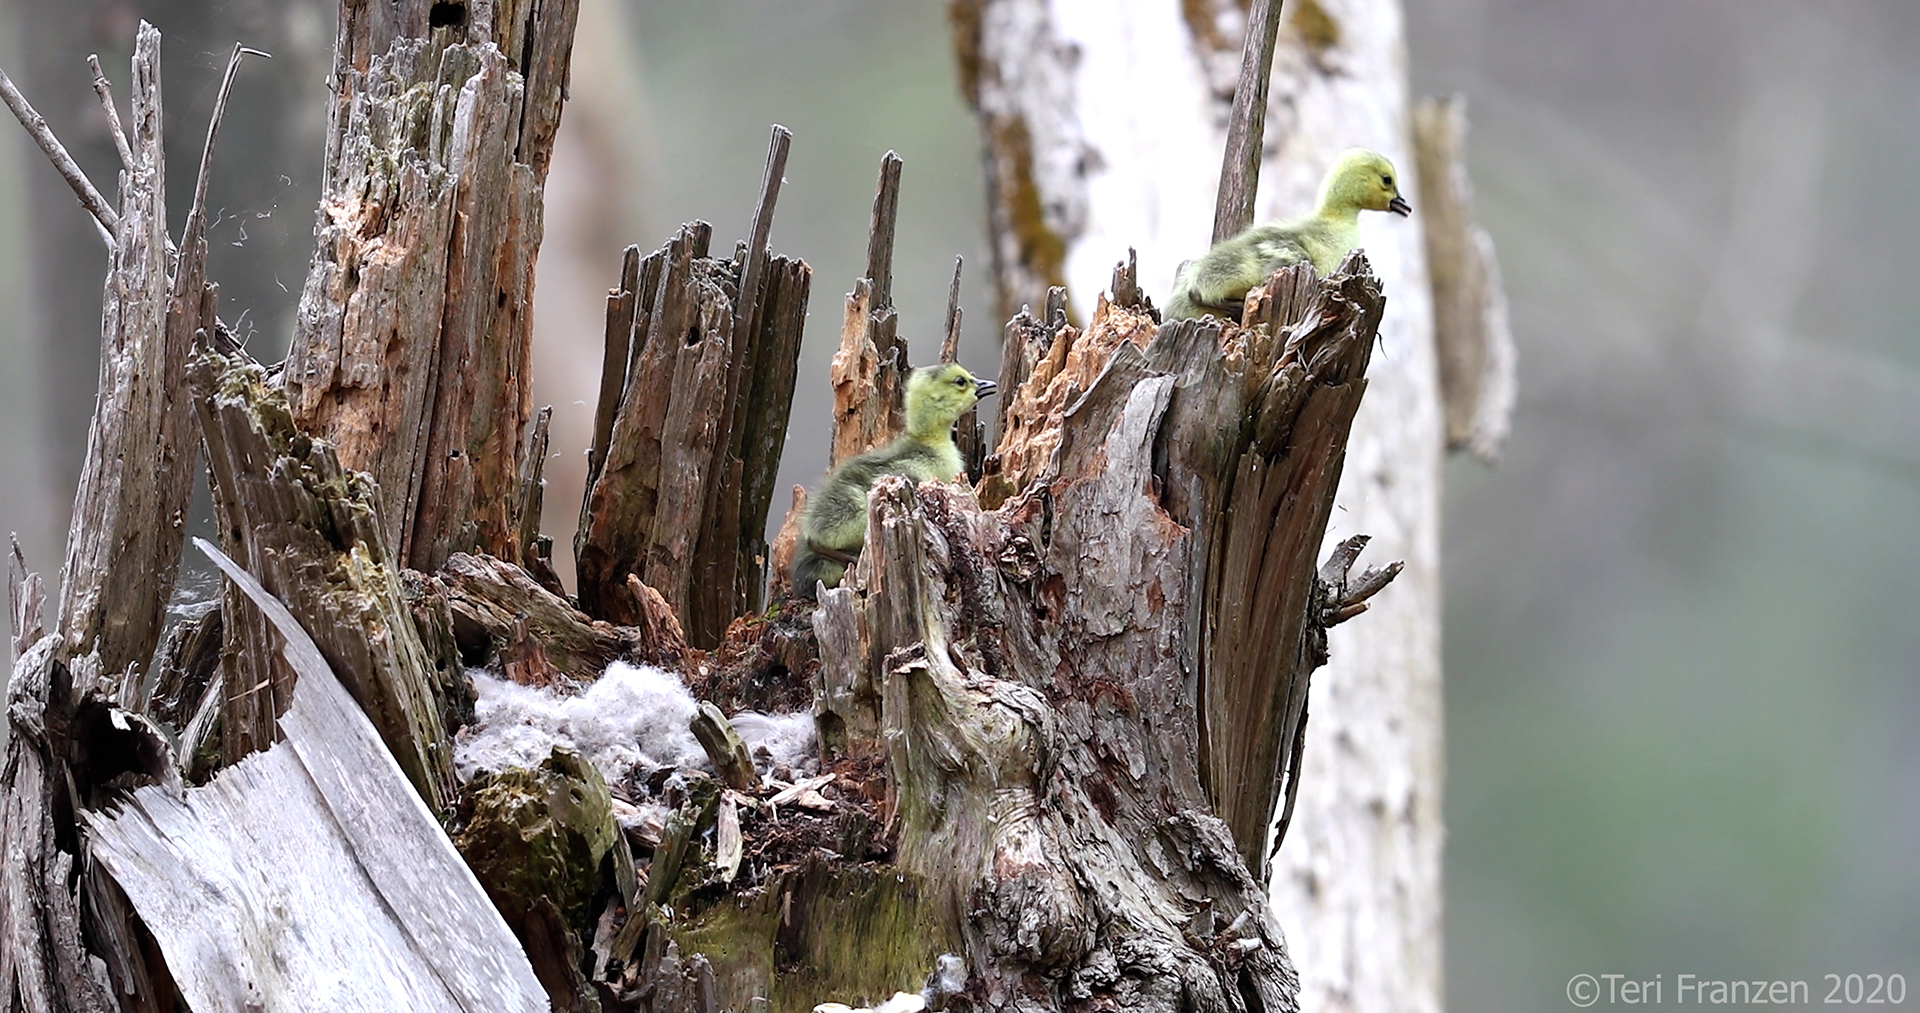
(1362,180)
(937,395)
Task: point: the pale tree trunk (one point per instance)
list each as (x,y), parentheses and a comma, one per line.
(1103,126)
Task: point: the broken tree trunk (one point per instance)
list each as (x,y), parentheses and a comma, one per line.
(129,515)
(1060,687)
(695,390)
(1055,729)
(309,531)
(411,349)
(1103,125)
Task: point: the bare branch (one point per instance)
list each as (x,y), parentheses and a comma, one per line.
(105,90)
(197,214)
(1246,130)
(83,188)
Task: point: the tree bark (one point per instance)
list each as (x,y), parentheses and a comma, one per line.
(695,390)
(1057,719)
(438,141)
(129,515)
(1102,126)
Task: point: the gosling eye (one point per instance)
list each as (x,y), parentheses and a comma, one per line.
(1386,181)
(959,381)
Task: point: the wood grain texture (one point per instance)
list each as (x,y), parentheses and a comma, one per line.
(311,531)
(413,332)
(311,876)
(1246,127)
(1141,92)
(44,963)
(1121,650)
(700,362)
(869,370)
(129,512)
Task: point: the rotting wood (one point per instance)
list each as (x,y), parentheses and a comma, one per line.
(527,505)
(129,514)
(724,748)
(1118,643)
(969,432)
(311,531)
(372,904)
(413,333)
(869,370)
(689,430)
(498,607)
(1470,328)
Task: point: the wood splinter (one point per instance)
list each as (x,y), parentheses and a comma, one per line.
(725,748)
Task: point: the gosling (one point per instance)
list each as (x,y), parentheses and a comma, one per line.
(1217,283)
(834,527)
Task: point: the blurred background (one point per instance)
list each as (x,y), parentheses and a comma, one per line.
(1682,655)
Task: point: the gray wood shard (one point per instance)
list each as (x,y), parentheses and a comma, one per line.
(1475,341)
(311,876)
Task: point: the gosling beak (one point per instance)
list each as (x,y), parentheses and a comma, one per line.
(1399,206)
(981,388)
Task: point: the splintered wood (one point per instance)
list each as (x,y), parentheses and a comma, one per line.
(695,391)
(310,531)
(310,876)
(1123,646)
(129,515)
(869,369)
(411,346)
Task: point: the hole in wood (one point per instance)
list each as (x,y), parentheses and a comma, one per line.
(693,336)
(446,15)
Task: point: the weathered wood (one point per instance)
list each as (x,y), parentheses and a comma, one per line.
(105,218)
(621,304)
(129,513)
(44,963)
(1470,329)
(1246,126)
(26,602)
(413,333)
(869,370)
(689,429)
(497,607)
(725,750)
(1116,648)
(371,907)
(533,484)
(1264,524)
(1061,90)
(969,432)
(311,530)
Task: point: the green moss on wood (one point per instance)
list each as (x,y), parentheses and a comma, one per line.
(825,932)
(539,833)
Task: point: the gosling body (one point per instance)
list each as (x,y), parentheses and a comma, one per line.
(834,527)
(1218,282)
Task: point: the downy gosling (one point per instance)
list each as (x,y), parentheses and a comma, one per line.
(834,527)
(1217,283)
